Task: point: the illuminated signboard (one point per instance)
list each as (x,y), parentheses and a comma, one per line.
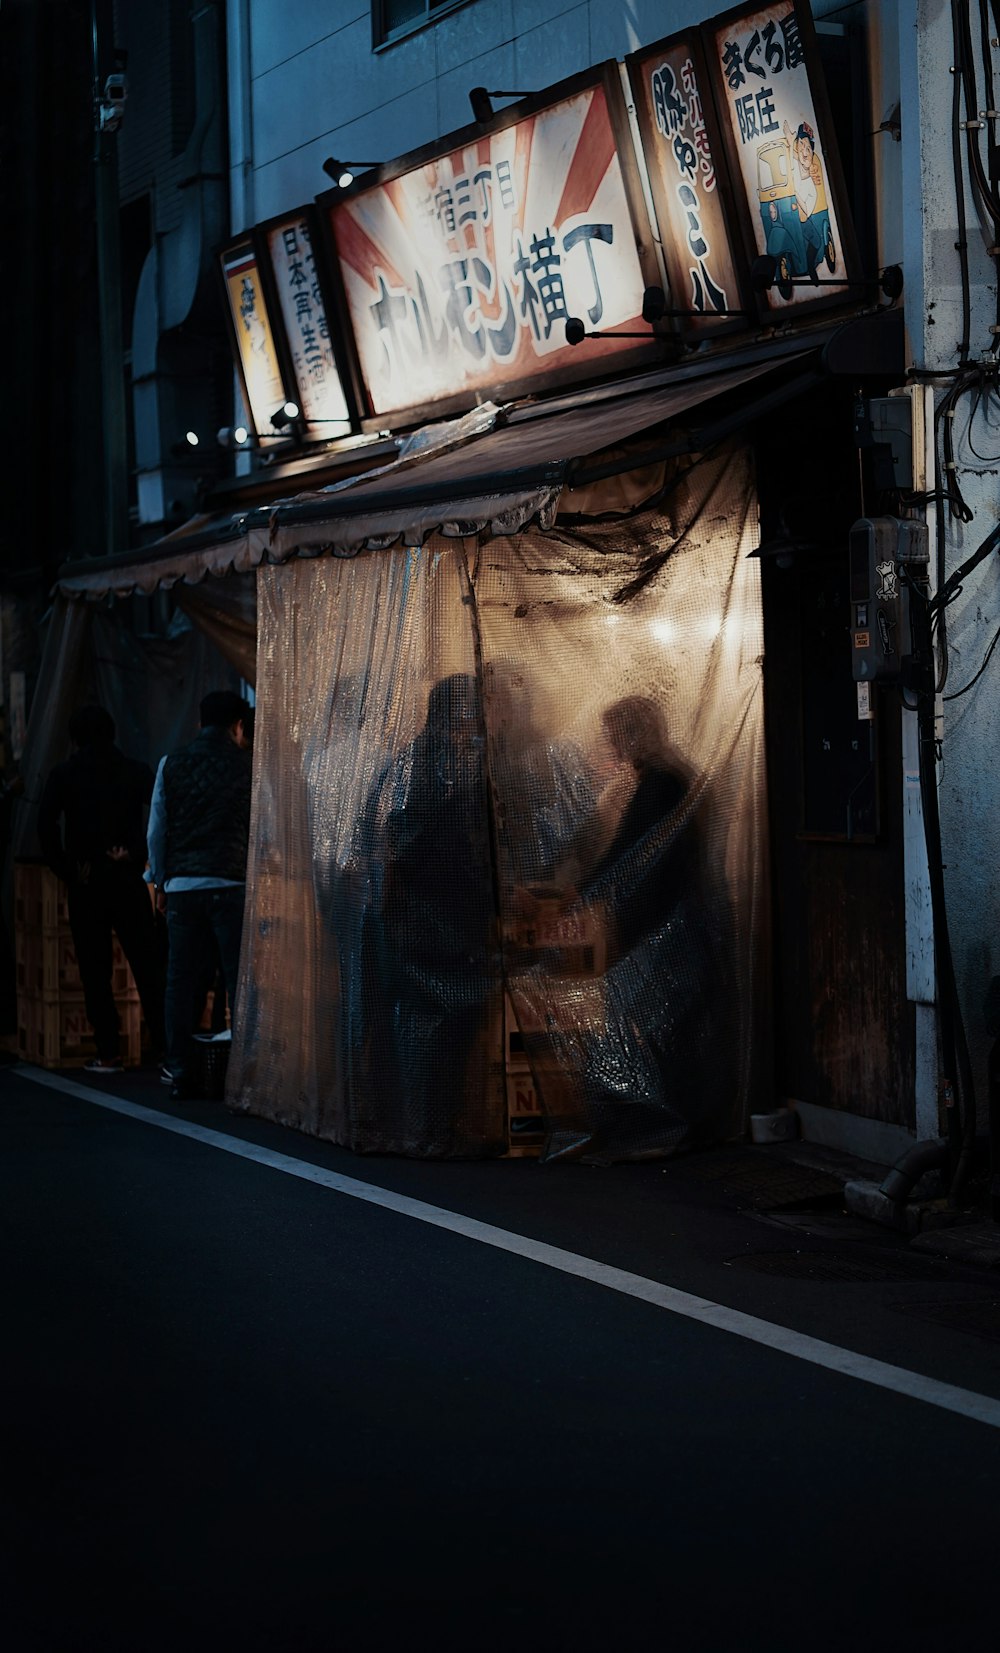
(782,151)
(460,269)
(303,311)
(264,389)
(686,164)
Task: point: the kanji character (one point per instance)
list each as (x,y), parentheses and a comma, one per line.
(587,234)
(445,208)
(774,57)
(794,51)
(549,291)
(732,63)
(765,110)
(669,107)
(685,157)
(506,183)
(704,291)
(747,115)
(750,64)
(483,178)
(689,201)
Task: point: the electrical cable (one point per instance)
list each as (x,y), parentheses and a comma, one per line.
(955,1059)
(962,244)
(973,680)
(983,194)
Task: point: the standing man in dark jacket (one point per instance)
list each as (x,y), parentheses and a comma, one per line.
(199,833)
(92,829)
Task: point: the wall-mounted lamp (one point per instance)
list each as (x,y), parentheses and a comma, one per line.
(286,415)
(482,108)
(768,271)
(233,436)
(187,445)
(343,172)
(654,308)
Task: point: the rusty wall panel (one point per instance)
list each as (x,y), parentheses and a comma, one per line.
(844,1030)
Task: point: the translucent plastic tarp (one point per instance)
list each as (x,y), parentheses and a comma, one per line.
(508,838)
(151,685)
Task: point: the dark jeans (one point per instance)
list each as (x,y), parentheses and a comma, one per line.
(118,902)
(198,923)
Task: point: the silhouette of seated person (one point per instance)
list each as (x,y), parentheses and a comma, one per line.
(648,1066)
(429,930)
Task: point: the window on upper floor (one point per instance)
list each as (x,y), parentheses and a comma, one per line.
(392,18)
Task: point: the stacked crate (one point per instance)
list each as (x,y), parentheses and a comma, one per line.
(525,1128)
(573,945)
(52,1026)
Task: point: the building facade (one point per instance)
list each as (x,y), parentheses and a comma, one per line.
(861,1046)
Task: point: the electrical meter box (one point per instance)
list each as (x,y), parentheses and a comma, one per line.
(887,555)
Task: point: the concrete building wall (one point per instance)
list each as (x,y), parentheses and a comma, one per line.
(317,87)
(969,775)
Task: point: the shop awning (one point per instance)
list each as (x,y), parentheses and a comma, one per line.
(446,480)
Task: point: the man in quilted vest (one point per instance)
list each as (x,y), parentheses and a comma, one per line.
(199,833)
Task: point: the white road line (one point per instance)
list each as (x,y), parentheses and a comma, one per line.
(980,1408)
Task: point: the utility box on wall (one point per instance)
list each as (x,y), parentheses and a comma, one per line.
(886,556)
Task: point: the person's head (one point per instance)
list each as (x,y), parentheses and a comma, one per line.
(249,718)
(224,709)
(452,707)
(635,729)
(805,143)
(91,726)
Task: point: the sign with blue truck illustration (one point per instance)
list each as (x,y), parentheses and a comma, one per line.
(782,149)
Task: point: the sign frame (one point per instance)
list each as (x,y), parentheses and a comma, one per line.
(339,343)
(711,325)
(584,366)
(247,239)
(822,298)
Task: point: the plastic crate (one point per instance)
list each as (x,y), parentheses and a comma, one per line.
(55,1033)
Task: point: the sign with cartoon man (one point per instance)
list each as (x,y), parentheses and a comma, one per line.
(777,130)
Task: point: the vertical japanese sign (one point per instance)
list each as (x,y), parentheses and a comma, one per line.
(460,273)
(687,178)
(252,330)
(321,395)
(784,151)
(784,154)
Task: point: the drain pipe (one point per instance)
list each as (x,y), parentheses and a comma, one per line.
(910,1167)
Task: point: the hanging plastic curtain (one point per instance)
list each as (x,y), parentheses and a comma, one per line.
(623,701)
(370,1003)
(511,795)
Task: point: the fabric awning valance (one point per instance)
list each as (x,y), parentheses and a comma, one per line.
(497,480)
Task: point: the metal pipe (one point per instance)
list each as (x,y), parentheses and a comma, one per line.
(910,1167)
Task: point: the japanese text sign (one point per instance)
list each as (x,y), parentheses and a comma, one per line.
(687,177)
(262,380)
(783,151)
(460,273)
(293,265)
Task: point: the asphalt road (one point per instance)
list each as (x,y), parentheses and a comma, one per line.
(242,1410)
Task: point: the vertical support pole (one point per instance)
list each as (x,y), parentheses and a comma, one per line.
(106,209)
(921,984)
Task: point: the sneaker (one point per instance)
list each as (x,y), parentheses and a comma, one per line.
(166,1077)
(101,1064)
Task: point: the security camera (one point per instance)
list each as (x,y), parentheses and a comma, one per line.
(111,108)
